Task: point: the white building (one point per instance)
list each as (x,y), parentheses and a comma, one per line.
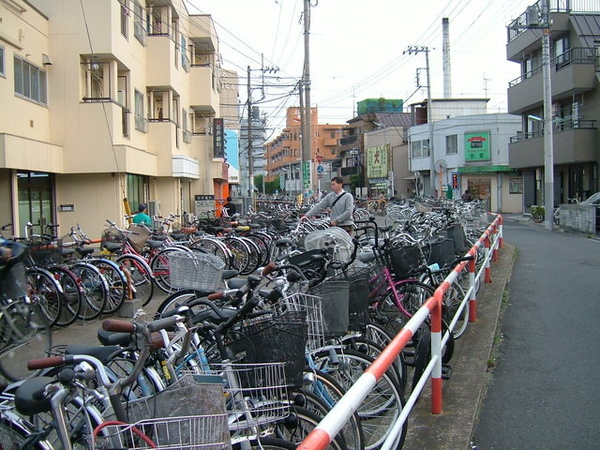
(469,152)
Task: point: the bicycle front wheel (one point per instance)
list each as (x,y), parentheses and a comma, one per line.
(30,337)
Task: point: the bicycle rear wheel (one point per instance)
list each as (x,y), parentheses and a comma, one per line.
(116,281)
(72,298)
(95,290)
(47,291)
(141,277)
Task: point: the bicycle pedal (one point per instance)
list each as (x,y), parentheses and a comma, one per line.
(446,371)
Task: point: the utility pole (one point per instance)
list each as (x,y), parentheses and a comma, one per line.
(307,117)
(410,50)
(548,134)
(250,149)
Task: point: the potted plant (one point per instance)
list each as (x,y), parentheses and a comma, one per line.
(538,213)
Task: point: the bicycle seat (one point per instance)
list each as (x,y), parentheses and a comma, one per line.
(30,398)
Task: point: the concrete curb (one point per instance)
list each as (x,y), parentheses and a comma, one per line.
(466,388)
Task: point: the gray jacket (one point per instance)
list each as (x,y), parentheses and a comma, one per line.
(341,212)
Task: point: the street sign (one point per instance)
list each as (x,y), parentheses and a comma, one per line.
(319,158)
(320,169)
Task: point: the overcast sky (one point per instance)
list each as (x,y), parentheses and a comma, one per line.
(358,49)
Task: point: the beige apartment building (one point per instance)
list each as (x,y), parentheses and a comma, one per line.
(106,100)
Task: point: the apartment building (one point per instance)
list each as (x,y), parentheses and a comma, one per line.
(283,155)
(107,100)
(574,36)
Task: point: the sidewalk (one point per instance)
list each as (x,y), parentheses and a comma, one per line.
(462,393)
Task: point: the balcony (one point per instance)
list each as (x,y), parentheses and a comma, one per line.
(573,141)
(347,140)
(572,73)
(203,98)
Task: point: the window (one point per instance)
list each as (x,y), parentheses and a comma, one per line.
(30,82)
(415,149)
(2,61)
(515,185)
(138,23)
(141,124)
(124,17)
(452,144)
(420,148)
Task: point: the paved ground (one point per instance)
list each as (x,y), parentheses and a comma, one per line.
(452,429)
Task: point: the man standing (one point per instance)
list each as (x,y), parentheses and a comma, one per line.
(341,206)
(229,207)
(142,217)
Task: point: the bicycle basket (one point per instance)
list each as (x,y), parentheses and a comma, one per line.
(189,415)
(138,236)
(335,296)
(358,302)
(199,271)
(256,394)
(312,306)
(45,253)
(113,236)
(181,433)
(334,239)
(441,252)
(404,260)
(276,338)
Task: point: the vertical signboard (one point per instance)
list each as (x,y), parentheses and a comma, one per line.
(218,138)
(378,161)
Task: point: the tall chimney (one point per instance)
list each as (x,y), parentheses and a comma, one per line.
(446,56)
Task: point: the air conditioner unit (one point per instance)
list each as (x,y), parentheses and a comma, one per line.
(153,208)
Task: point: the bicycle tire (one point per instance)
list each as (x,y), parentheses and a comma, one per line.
(381,407)
(31,338)
(323,392)
(298,425)
(140,274)
(160,268)
(116,281)
(47,290)
(95,290)
(241,254)
(175,300)
(15,434)
(72,299)
(264,443)
(215,247)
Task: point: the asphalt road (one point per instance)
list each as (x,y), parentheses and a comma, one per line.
(544,390)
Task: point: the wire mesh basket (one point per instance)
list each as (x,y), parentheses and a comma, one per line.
(199,271)
(255,394)
(45,253)
(181,433)
(186,415)
(335,297)
(404,260)
(358,302)
(275,338)
(312,305)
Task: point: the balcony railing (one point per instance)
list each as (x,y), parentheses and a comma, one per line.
(575,55)
(519,25)
(558,125)
(346,140)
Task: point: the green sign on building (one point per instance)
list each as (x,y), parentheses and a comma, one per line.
(477,146)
